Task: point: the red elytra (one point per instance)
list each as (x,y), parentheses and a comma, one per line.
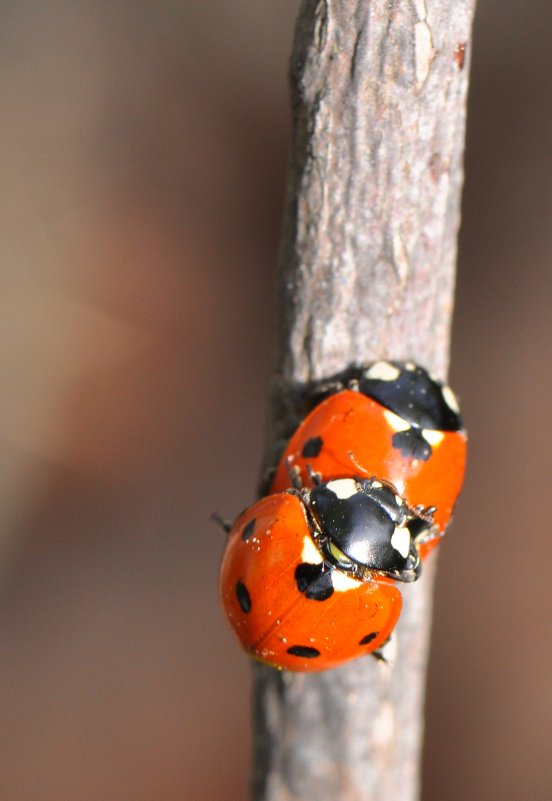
(349,434)
(269,547)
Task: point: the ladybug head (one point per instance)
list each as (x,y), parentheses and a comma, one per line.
(363,525)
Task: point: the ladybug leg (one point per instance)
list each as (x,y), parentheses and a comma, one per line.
(426,513)
(387,651)
(429,535)
(421,526)
(318,391)
(328,388)
(224,524)
(345,379)
(294,474)
(408,575)
(413,568)
(316,478)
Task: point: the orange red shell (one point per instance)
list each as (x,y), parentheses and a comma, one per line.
(274,619)
(350,435)
(298,581)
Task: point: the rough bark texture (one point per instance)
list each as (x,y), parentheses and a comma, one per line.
(367,263)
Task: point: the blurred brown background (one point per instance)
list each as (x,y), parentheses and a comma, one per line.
(142,160)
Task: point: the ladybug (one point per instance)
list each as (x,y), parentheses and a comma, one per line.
(309,578)
(391,420)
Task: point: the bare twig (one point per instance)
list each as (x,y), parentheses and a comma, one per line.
(367,260)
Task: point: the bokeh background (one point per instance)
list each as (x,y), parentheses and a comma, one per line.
(143,151)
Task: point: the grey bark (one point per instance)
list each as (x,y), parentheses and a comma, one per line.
(367,265)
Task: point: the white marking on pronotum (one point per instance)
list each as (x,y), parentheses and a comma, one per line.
(431,436)
(377,485)
(450,399)
(399,500)
(342,582)
(400,540)
(343,487)
(310,552)
(397,423)
(383,371)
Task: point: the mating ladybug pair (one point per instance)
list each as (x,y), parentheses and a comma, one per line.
(363,492)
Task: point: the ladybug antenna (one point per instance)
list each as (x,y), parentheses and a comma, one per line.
(224,524)
(294,474)
(316,478)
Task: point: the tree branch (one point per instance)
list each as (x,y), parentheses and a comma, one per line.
(367,264)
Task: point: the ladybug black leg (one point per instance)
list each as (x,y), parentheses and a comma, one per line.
(345,379)
(408,576)
(294,474)
(421,526)
(387,651)
(413,568)
(224,524)
(316,478)
(425,513)
(429,535)
(323,389)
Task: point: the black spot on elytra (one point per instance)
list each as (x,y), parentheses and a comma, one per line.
(411,444)
(312,447)
(314,582)
(369,638)
(304,650)
(244,599)
(248,530)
